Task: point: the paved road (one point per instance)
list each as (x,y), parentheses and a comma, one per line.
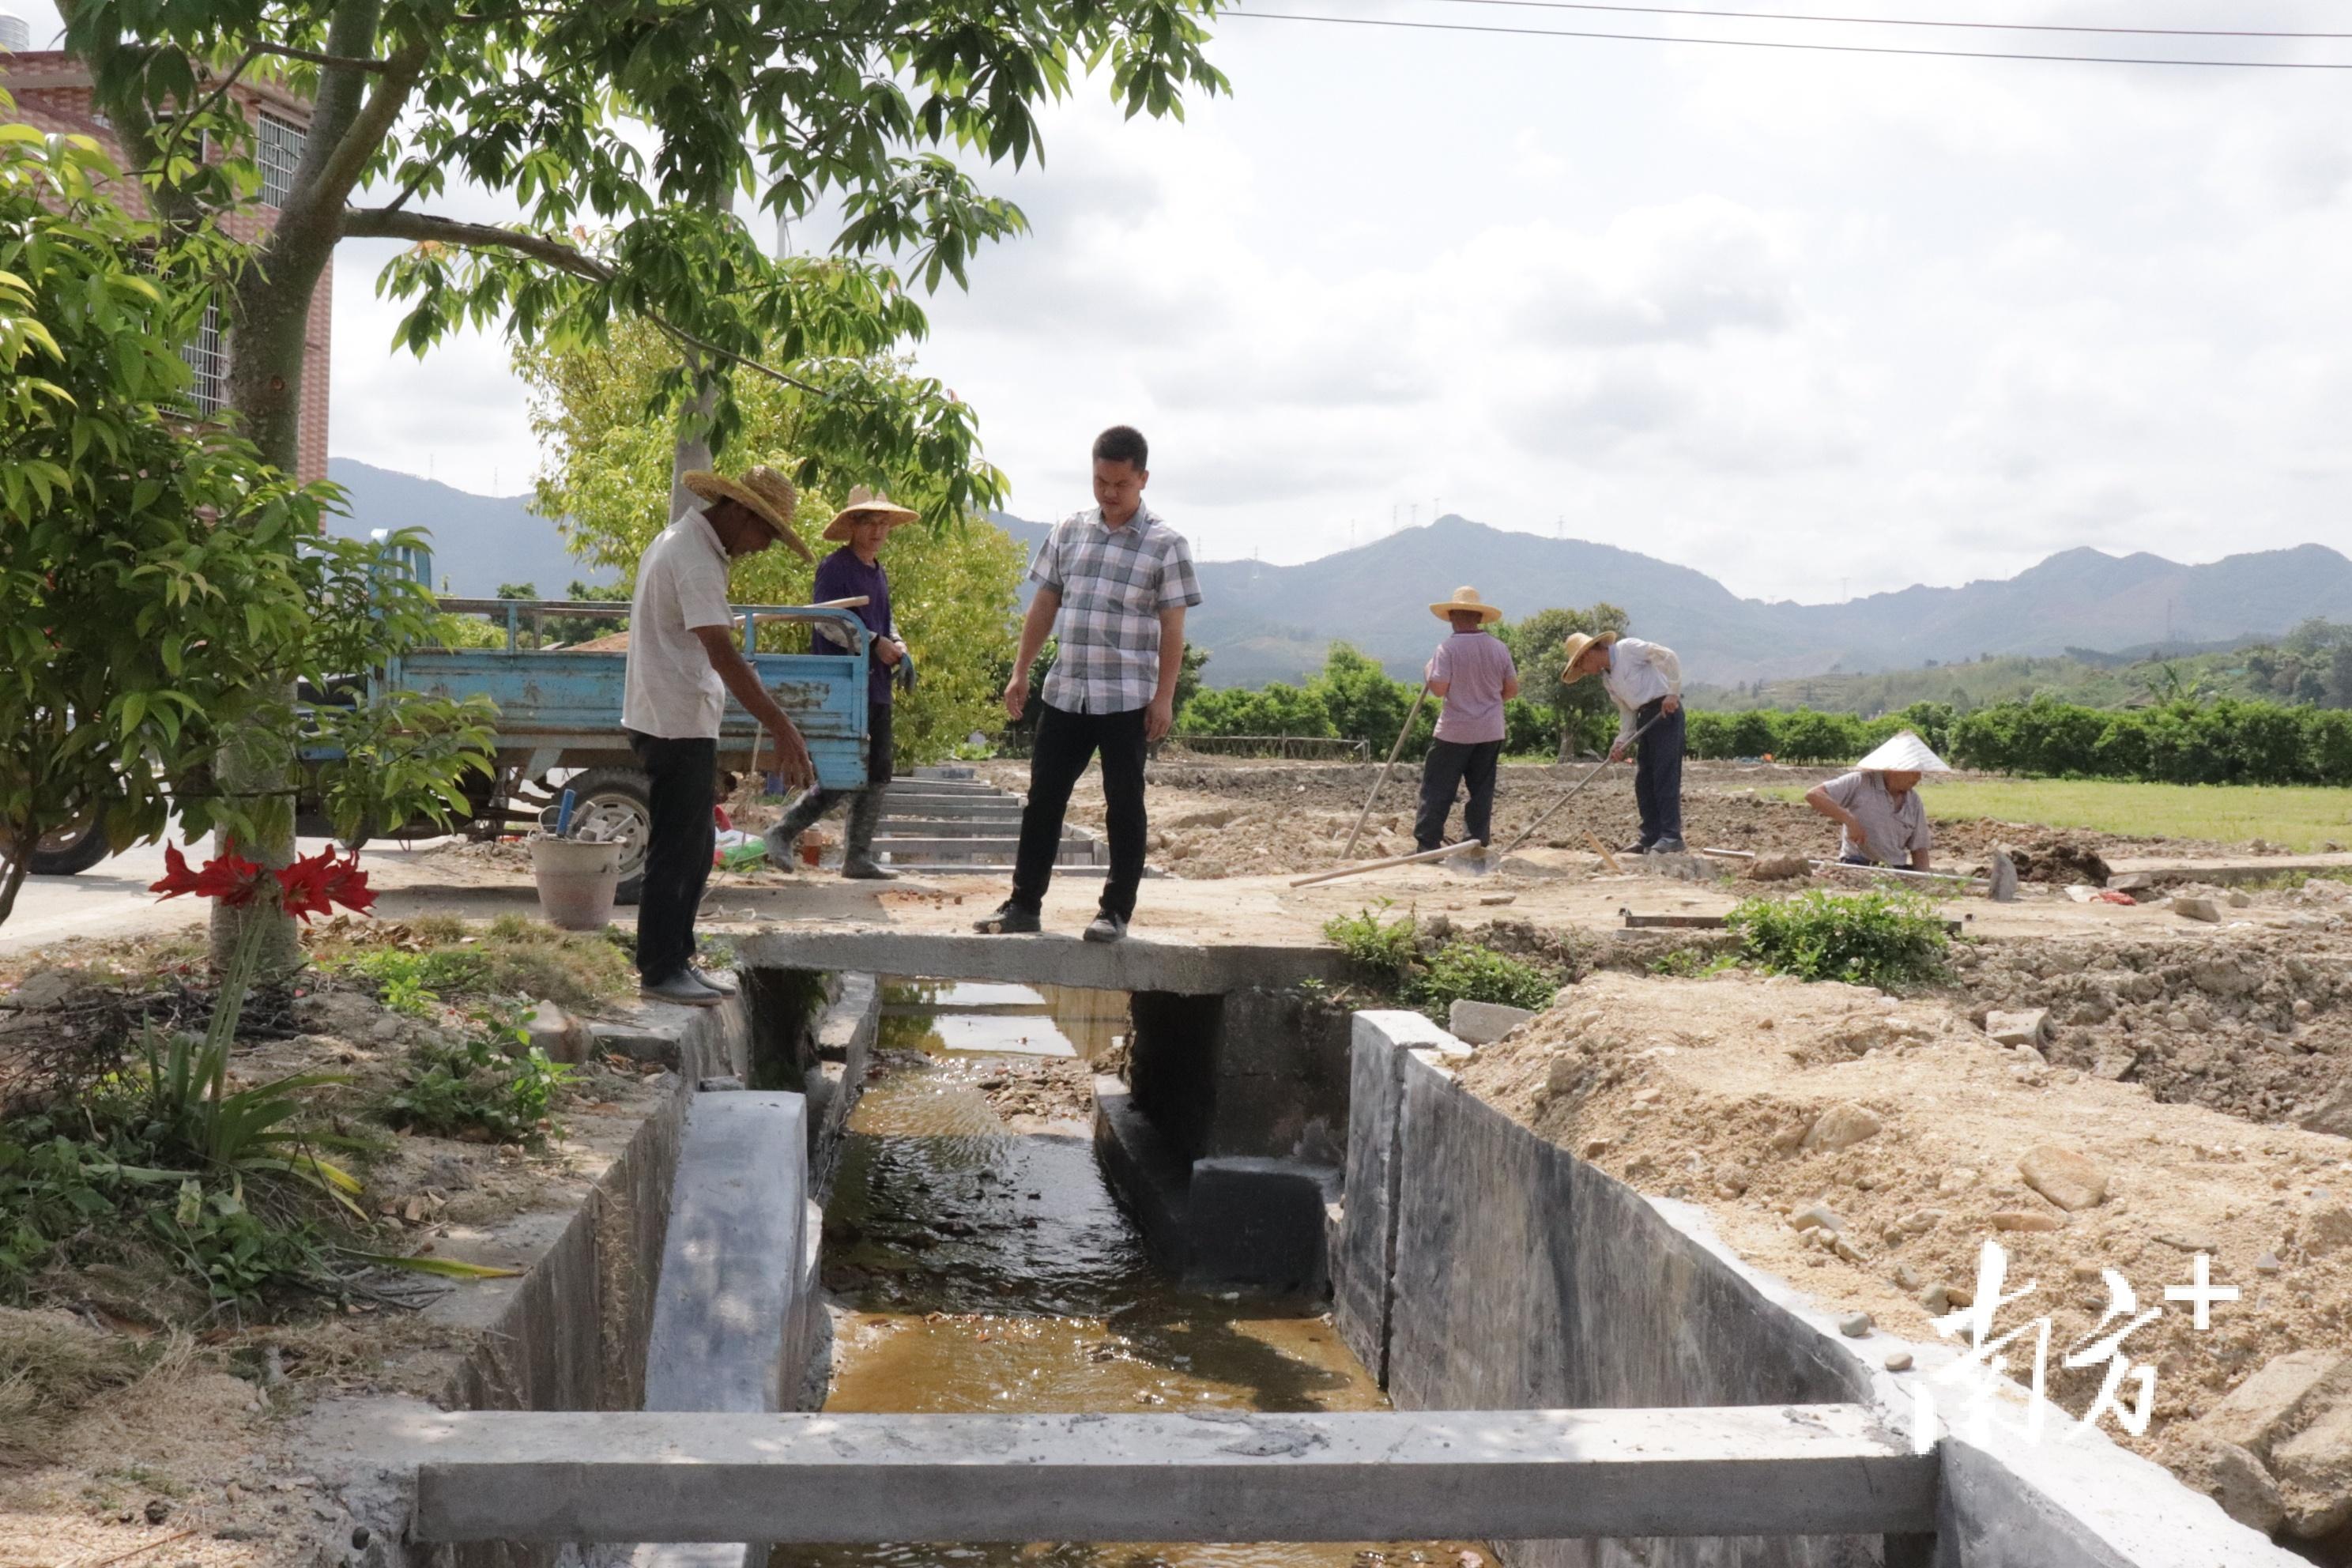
(112,899)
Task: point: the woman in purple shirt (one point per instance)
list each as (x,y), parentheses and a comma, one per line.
(855,571)
(1473,674)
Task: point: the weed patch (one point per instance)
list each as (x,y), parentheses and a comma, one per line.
(413,967)
(1884,939)
(1431,970)
(480,1087)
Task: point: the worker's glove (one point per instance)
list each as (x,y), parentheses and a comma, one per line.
(903,672)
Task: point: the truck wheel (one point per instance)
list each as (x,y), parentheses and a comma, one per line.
(619,801)
(70,850)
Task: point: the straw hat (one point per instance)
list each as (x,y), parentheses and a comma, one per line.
(863,502)
(1906,753)
(1576,645)
(1466,599)
(763,492)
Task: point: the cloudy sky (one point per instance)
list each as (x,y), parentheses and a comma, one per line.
(1817,324)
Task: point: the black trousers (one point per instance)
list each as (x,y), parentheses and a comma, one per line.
(805,811)
(1658,773)
(684,774)
(1065,743)
(1448,764)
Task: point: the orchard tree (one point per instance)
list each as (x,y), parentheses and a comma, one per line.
(623,130)
(157,582)
(1536,645)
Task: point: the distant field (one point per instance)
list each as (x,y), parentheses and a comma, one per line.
(2301,819)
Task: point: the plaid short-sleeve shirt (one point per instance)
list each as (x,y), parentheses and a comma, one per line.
(1113,581)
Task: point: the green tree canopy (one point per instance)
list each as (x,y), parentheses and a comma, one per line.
(152,574)
(953,587)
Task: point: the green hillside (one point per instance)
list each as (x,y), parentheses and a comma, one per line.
(2311,665)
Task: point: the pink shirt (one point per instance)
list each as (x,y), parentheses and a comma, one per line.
(1474,664)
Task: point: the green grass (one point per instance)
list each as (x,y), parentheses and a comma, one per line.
(2302,819)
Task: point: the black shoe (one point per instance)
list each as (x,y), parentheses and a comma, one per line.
(1010,920)
(1667,846)
(865,869)
(1639,846)
(1106,927)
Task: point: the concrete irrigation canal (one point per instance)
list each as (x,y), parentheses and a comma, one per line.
(970,1251)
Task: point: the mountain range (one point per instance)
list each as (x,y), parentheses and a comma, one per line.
(478,541)
(1263,623)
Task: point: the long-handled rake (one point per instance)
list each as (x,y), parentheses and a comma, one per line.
(1574,790)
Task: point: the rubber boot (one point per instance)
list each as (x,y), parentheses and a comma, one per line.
(865,816)
(797,819)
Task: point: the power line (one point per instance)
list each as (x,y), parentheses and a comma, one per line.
(1900,21)
(1781,44)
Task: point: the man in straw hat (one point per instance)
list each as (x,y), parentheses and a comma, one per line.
(1882,821)
(1473,675)
(1645,679)
(1113,584)
(684,661)
(855,571)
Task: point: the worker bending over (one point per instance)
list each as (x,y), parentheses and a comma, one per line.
(1473,675)
(1645,679)
(1882,821)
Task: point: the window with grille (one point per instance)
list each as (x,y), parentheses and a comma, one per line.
(207,355)
(280,147)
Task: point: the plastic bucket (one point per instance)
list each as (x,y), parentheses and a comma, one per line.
(576,881)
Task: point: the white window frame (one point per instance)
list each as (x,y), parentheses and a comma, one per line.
(277,144)
(207,354)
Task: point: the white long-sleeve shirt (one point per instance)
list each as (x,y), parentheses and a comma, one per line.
(1639,673)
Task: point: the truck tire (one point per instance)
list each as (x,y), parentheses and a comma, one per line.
(619,800)
(70,851)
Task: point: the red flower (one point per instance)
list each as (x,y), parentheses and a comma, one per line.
(230,877)
(315,884)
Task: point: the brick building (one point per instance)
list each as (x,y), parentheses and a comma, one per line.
(52,91)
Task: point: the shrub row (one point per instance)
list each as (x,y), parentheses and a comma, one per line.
(2224,742)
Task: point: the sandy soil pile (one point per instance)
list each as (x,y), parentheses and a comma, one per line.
(1901,1138)
(1212,819)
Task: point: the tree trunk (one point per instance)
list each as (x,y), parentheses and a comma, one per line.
(270,321)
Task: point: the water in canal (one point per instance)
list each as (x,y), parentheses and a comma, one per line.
(985,1266)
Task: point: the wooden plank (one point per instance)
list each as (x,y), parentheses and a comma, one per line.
(1516,1474)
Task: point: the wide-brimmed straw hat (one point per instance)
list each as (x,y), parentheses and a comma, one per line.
(1576,644)
(863,502)
(1906,753)
(1465,600)
(764,493)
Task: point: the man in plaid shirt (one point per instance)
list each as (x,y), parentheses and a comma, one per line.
(1113,584)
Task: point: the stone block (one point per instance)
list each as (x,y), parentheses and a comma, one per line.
(1841,1127)
(1483,1023)
(1139,964)
(2315,1474)
(1145,1169)
(2064,1176)
(2195,908)
(2274,1400)
(1258,1222)
(2333,1114)
(2020,1029)
(732,1264)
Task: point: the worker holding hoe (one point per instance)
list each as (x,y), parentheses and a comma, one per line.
(1645,679)
(1113,584)
(1473,675)
(855,571)
(684,661)
(1882,821)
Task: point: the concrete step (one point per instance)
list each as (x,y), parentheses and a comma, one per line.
(979,868)
(964,844)
(1488,1475)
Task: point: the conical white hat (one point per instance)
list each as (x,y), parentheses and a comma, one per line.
(1906,753)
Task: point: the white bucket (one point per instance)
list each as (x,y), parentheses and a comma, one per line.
(576,881)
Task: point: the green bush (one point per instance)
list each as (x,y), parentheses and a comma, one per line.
(1878,939)
(1391,954)
(484,1086)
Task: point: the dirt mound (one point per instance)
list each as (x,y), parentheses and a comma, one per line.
(2257,1024)
(2061,861)
(1866,1147)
